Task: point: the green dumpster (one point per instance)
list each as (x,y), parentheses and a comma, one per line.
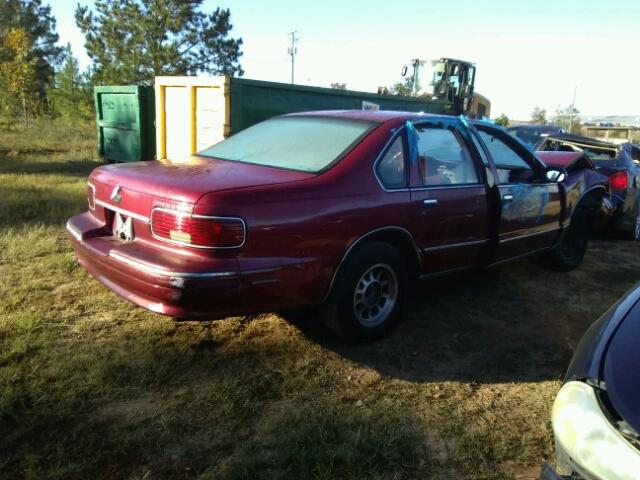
(125,119)
(193,113)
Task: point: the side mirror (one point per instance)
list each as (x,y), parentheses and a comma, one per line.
(556,174)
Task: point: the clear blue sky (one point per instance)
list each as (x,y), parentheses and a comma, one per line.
(528,53)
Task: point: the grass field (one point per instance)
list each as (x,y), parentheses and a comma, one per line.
(93,387)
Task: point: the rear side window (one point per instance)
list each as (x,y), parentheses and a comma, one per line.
(308,144)
(443,157)
(391,169)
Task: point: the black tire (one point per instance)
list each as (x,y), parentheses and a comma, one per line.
(345,310)
(568,254)
(634,233)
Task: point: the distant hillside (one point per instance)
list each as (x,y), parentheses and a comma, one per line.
(623,120)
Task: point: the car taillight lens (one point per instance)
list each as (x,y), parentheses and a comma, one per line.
(619,180)
(197,230)
(91,196)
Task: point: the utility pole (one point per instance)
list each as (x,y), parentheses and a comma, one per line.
(293,51)
(573,108)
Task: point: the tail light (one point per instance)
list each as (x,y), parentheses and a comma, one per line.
(619,180)
(198,231)
(91,196)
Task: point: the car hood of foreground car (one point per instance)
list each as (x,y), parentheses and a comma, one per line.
(609,352)
(622,369)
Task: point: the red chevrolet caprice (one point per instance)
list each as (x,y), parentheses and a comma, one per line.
(338,209)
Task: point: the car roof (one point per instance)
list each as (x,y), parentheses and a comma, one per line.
(379,116)
(535,126)
(571,137)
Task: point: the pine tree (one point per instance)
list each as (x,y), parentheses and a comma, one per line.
(17,74)
(40,27)
(71,95)
(131,41)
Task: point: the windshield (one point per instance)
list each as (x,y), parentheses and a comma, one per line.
(308,144)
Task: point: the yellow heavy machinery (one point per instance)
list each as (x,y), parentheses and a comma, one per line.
(450,80)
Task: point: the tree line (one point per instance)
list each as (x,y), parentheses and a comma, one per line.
(127,41)
(565,117)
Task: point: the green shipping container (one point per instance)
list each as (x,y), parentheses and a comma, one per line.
(125,119)
(196,112)
(253,101)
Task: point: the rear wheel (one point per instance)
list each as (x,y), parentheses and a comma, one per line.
(568,254)
(369,295)
(634,232)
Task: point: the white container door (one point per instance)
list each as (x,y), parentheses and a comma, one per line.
(210,113)
(176,123)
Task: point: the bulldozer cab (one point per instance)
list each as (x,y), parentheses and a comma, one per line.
(445,79)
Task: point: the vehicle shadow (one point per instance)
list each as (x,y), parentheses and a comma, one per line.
(517,322)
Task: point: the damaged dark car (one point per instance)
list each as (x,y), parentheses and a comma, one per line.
(620,163)
(596,415)
(532,134)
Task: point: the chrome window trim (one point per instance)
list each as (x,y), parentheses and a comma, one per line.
(381,155)
(178,213)
(122,211)
(161,272)
(446,187)
(455,245)
(93,190)
(532,184)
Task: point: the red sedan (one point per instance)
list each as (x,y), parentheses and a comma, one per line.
(339,209)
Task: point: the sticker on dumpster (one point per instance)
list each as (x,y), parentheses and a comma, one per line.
(370,106)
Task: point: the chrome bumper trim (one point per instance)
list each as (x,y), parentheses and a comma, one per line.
(122,211)
(161,272)
(74,233)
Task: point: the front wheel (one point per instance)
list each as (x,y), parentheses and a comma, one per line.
(568,254)
(369,295)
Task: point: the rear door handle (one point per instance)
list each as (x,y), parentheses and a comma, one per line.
(508,197)
(430,202)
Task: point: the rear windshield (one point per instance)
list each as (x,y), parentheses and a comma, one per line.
(308,144)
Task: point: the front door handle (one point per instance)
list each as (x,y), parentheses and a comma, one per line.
(508,197)
(430,202)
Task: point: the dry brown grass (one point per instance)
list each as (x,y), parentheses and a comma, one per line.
(93,387)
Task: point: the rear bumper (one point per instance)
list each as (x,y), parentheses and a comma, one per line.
(165,283)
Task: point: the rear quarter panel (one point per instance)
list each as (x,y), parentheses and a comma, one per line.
(298,233)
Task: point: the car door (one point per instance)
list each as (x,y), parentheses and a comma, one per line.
(530,206)
(448,195)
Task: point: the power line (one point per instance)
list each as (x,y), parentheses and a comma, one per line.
(293,51)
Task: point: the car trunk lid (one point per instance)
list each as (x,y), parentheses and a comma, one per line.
(141,186)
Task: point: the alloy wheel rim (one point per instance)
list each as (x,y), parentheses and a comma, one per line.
(636,231)
(375,295)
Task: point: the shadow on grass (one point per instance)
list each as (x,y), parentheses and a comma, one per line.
(161,412)
(513,323)
(20,165)
(24,205)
